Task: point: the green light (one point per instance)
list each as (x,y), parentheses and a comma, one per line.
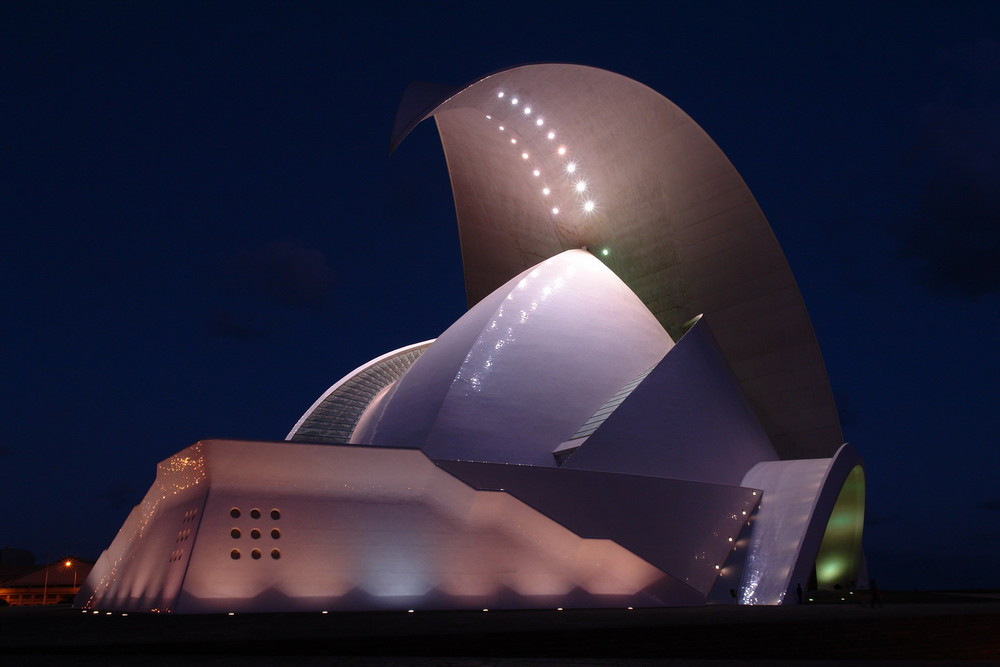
(832,568)
(839,555)
(605,252)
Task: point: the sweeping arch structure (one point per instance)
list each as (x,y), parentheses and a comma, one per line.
(548,157)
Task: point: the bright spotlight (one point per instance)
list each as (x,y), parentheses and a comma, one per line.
(581,186)
(555,210)
(552,135)
(539,122)
(527,111)
(571,167)
(561,150)
(546,191)
(588,206)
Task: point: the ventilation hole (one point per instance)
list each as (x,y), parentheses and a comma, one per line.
(255,534)
(275,514)
(235,554)
(275,554)
(235,512)
(275,534)
(235,532)
(255,513)
(255,554)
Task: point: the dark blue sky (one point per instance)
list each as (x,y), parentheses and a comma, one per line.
(203,229)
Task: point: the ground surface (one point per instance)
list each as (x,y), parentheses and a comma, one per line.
(935,630)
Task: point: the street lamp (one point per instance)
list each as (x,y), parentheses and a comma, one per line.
(69,563)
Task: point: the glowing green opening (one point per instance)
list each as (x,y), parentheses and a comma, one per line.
(839,554)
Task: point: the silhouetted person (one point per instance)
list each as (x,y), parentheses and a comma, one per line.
(798,592)
(873,589)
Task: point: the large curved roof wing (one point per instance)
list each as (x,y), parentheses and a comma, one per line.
(548,157)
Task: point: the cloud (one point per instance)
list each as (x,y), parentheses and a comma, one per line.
(989,505)
(285,272)
(951,226)
(120,495)
(228,324)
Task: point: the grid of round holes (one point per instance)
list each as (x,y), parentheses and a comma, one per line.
(255,533)
(255,513)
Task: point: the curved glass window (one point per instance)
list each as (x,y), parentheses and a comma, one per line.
(839,556)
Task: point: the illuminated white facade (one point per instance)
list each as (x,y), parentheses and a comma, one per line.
(633,412)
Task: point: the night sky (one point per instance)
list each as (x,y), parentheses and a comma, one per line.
(203,228)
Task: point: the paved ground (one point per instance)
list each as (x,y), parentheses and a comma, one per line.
(941,631)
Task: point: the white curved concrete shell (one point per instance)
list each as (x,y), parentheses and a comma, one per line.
(634,410)
(528,364)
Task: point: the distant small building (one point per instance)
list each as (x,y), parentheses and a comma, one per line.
(31,584)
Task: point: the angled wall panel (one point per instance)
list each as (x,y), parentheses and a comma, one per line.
(684,528)
(295,527)
(687,419)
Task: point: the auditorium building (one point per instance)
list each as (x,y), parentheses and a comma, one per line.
(634,410)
